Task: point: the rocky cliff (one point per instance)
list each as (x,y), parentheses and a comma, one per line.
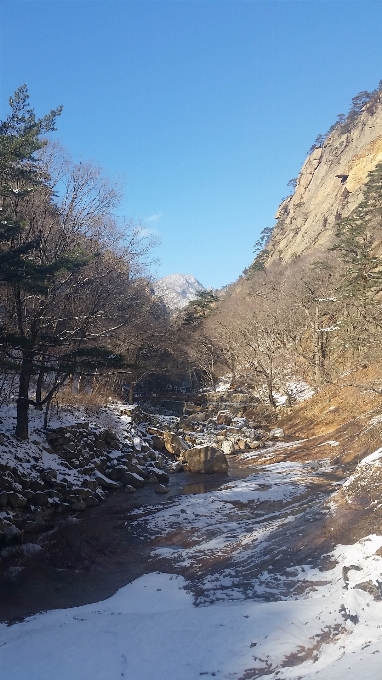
(329,186)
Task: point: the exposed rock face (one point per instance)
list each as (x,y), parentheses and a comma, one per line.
(329,187)
(206,459)
(177,290)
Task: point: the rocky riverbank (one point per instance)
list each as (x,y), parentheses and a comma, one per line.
(86,455)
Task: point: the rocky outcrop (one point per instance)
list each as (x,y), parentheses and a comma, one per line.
(329,187)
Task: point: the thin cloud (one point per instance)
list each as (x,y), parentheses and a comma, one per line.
(145,231)
(154,218)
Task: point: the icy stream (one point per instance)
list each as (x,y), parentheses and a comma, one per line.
(240,582)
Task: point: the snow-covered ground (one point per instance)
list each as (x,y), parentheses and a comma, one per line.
(301,623)
(151,629)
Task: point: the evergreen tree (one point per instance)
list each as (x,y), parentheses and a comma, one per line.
(200,307)
(359,243)
(359,236)
(44,274)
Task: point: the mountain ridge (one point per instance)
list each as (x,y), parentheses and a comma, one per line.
(177,290)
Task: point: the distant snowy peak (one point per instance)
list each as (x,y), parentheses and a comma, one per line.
(177,290)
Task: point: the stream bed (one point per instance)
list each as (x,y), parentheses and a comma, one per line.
(90,555)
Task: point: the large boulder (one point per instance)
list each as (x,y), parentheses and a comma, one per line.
(174,444)
(206,459)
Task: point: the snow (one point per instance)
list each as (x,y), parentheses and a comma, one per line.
(152,629)
(372,458)
(177,290)
(302,623)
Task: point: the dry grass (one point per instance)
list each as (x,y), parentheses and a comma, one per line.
(95,398)
(347,412)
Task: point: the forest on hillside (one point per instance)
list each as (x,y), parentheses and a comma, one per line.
(78,310)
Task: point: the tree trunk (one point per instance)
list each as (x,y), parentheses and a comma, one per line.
(23,398)
(46,414)
(131,393)
(40,379)
(270,393)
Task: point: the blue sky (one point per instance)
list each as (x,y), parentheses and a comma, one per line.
(205,108)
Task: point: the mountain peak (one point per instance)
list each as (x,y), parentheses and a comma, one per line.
(177,290)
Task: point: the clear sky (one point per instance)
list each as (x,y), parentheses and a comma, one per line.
(206,108)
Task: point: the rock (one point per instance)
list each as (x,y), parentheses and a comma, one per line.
(64,507)
(24,481)
(276,433)
(89,484)
(159,474)
(228,447)
(49,476)
(36,485)
(111,440)
(152,479)
(117,473)
(160,488)
(174,444)
(138,470)
(254,444)
(198,417)
(16,500)
(12,535)
(206,459)
(223,418)
(133,479)
(242,444)
(4,523)
(99,494)
(129,488)
(40,498)
(3,499)
(6,481)
(158,442)
(78,505)
(105,482)
(80,492)
(176,467)
(137,443)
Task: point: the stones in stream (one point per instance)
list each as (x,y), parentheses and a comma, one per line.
(73,467)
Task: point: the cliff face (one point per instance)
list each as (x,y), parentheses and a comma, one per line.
(329,187)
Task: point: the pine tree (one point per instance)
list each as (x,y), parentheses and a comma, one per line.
(359,243)
(359,236)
